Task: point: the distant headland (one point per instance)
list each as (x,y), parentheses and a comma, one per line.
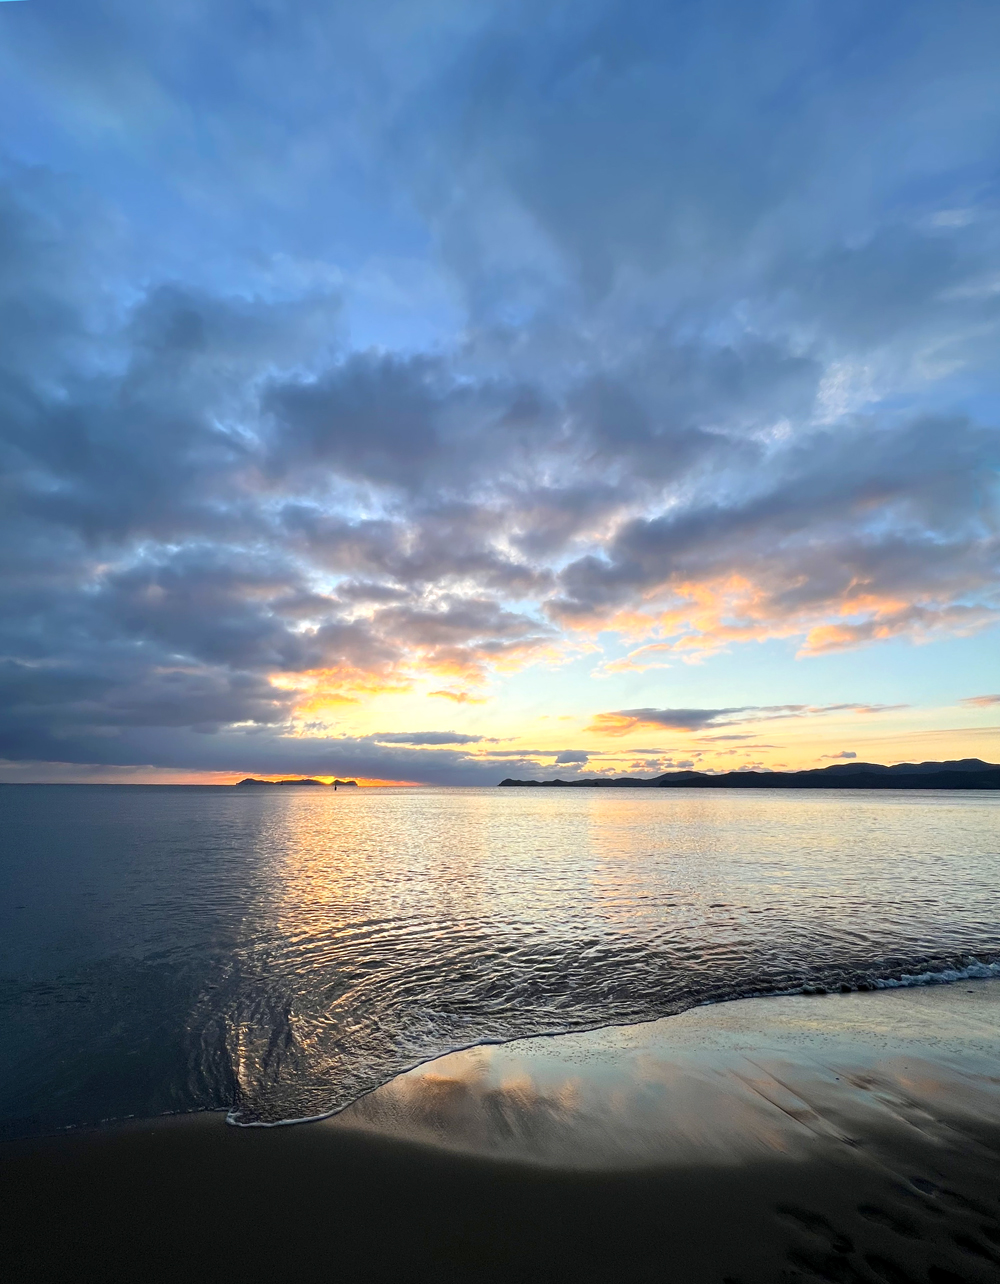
(968,773)
(250,780)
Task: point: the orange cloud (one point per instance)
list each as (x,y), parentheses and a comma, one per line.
(459,697)
(621,721)
(613,724)
(892,620)
(706,617)
(321,690)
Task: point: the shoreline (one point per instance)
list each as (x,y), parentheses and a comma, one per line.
(976,971)
(848,1137)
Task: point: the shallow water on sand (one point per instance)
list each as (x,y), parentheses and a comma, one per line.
(283,951)
(728,1084)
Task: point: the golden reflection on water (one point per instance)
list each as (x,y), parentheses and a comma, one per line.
(386,926)
(287,951)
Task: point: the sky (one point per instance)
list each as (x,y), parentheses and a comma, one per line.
(443,390)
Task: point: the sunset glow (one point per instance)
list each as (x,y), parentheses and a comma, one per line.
(424,423)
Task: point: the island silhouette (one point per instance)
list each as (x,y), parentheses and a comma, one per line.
(252,780)
(966,773)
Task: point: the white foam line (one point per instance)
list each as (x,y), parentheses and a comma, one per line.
(975,971)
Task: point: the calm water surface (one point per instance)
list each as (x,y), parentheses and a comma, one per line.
(281,952)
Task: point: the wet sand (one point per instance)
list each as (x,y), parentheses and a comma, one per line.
(842,1138)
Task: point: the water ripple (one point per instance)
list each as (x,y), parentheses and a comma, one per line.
(281,953)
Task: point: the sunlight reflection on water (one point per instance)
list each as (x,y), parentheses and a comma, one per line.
(288,950)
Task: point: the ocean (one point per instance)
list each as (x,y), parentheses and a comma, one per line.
(277,953)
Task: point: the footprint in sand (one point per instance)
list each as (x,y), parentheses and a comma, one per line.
(830,1267)
(888,1271)
(951,1197)
(882,1217)
(817,1225)
(970,1245)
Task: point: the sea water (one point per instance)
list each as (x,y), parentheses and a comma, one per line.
(279,952)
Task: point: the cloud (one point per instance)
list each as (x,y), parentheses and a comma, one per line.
(715,739)
(424,738)
(541,328)
(622,721)
(859,525)
(572,756)
(845,753)
(980,702)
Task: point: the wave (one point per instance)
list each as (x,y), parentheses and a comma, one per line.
(970,969)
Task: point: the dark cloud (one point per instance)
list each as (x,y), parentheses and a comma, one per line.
(424,738)
(256,752)
(372,417)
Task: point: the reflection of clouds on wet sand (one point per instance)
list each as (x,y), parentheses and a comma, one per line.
(728,1084)
(459,1102)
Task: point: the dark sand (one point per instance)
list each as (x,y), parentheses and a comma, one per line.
(843,1138)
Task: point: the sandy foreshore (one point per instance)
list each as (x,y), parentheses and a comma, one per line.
(844,1138)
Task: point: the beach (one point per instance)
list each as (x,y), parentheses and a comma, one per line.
(840,1137)
(499,614)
